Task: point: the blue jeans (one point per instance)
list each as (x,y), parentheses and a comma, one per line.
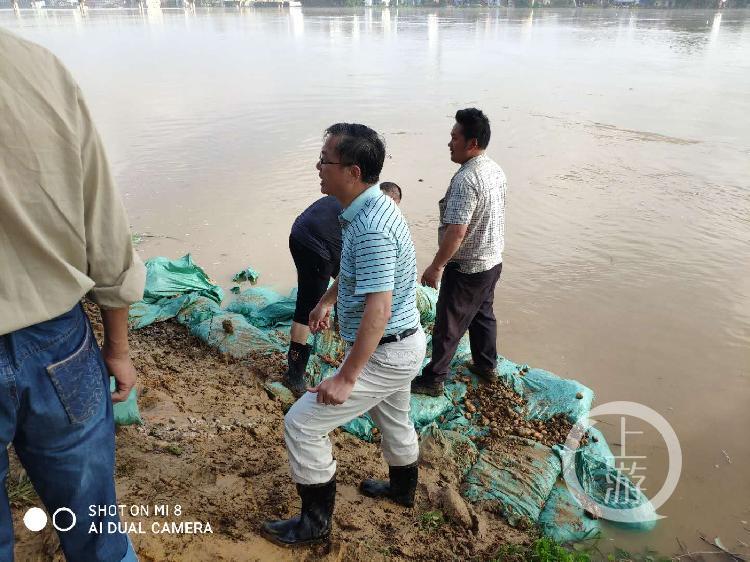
(56,410)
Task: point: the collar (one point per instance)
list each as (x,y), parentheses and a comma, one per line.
(474,160)
(359,203)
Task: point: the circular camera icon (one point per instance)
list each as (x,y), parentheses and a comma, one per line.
(35,519)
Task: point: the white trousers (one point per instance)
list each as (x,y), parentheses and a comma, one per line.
(383,389)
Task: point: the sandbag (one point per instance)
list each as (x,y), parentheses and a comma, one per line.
(142,314)
(263,307)
(563,519)
(233,334)
(517,480)
(126,412)
(602,481)
(451,453)
(426,304)
(546,394)
(168,278)
(361,427)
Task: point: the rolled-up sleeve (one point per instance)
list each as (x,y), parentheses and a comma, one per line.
(117,271)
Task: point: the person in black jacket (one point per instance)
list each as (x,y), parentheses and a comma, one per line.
(315,244)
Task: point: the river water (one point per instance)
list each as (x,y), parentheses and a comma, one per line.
(625,136)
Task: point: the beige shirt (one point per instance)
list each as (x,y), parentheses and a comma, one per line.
(63,228)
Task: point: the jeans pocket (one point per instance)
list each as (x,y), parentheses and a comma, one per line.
(79,381)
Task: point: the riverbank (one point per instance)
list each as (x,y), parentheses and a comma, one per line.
(212,443)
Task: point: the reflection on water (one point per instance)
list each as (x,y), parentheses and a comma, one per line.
(623,133)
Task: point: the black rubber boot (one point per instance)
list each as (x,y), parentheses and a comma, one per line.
(400,488)
(297,358)
(313,524)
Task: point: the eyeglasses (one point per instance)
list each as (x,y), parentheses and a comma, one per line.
(322,162)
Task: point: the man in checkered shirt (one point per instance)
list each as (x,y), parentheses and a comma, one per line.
(469,258)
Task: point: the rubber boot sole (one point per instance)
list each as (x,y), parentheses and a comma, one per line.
(275,539)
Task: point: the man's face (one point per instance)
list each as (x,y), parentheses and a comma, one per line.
(460,148)
(334,176)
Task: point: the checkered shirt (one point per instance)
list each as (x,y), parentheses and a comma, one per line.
(476,197)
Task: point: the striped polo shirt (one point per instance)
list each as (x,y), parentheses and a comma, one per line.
(377,255)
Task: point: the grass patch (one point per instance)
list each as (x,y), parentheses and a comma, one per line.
(547,550)
(21,493)
(431,520)
(541,550)
(173,449)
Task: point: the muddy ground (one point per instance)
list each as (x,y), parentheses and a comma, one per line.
(213,444)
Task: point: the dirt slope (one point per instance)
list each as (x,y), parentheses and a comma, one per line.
(213,444)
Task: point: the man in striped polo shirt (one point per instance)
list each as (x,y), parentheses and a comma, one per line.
(375,295)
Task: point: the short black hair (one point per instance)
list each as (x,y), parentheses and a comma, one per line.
(474,125)
(360,145)
(390,187)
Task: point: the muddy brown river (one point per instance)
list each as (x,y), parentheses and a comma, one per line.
(625,136)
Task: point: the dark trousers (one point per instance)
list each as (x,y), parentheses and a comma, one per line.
(464,303)
(314,273)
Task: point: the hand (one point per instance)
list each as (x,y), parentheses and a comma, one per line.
(333,391)
(320,318)
(121,367)
(431,276)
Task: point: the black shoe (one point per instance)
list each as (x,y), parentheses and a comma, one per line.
(421,385)
(487,375)
(400,488)
(312,525)
(297,358)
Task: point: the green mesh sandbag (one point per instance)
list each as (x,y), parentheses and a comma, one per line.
(360,427)
(126,413)
(517,480)
(197,310)
(264,307)
(233,334)
(605,483)
(438,446)
(564,520)
(545,393)
(329,346)
(142,314)
(427,409)
(167,278)
(426,304)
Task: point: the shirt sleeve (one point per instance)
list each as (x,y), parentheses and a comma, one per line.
(113,265)
(460,203)
(375,263)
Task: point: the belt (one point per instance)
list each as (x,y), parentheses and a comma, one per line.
(398,337)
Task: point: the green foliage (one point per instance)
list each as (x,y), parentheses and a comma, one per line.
(431,520)
(21,492)
(547,550)
(173,449)
(542,550)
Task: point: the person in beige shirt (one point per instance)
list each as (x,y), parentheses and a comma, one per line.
(63,234)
